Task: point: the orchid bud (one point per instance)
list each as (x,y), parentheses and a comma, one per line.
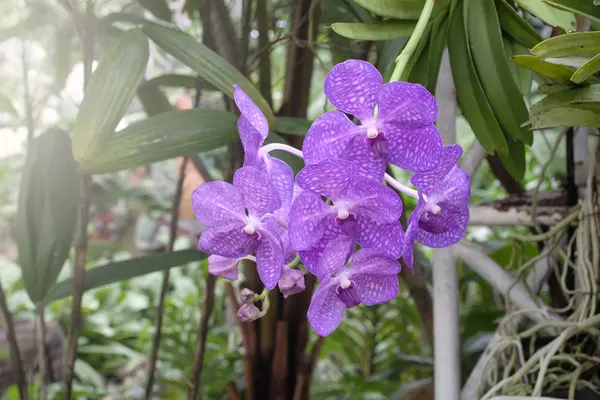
(291,282)
(247,296)
(248,312)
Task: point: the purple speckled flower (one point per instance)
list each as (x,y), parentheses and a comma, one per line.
(402,131)
(234,233)
(225,267)
(370,279)
(254,129)
(362,210)
(441,216)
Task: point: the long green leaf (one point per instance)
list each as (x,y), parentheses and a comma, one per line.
(292,126)
(206,63)
(158,8)
(124,270)
(558,73)
(109,93)
(153,99)
(175,80)
(586,70)
(485,39)
(564,117)
(405,9)
(584,44)
(515,161)
(580,7)
(163,136)
(515,26)
(549,15)
(575,97)
(384,30)
(523,76)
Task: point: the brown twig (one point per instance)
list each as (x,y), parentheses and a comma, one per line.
(201,336)
(15,355)
(262,18)
(41,350)
(305,376)
(165,281)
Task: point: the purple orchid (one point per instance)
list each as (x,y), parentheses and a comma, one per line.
(370,279)
(225,267)
(400,132)
(362,211)
(291,282)
(233,233)
(441,216)
(254,129)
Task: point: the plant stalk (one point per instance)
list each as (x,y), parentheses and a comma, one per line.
(41,350)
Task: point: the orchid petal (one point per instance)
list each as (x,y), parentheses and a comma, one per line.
(224,267)
(414,149)
(373,262)
(335,255)
(428,182)
(328,137)
(375,289)
(455,223)
(374,200)
(352,87)
(219,205)
(282,178)
(226,244)
(269,258)
(325,311)
(369,165)
(306,220)
(387,238)
(311,258)
(409,104)
(250,111)
(259,193)
(329,178)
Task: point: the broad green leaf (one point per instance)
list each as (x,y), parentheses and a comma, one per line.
(384,30)
(581,7)
(515,161)
(153,99)
(175,80)
(6,106)
(574,97)
(108,94)
(515,26)
(585,44)
(292,126)
(125,270)
(471,97)
(523,76)
(549,15)
(163,136)
(558,73)
(206,63)
(485,38)
(564,117)
(47,211)
(158,8)
(586,70)
(405,9)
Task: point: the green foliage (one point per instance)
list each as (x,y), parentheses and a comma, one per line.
(46,216)
(385,30)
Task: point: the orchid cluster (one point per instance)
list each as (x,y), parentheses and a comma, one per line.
(337,215)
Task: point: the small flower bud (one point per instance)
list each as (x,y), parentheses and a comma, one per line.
(291,282)
(247,296)
(248,312)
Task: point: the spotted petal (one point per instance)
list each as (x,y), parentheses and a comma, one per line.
(369,165)
(375,200)
(282,178)
(311,258)
(219,205)
(409,104)
(269,258)
(428,182)
(335,255)
(386,238)
(306,216)
(329,178)
(454,190)
(373,262)
(224,267)
(251,142)
(414,149)
(250,111)
(375,289)
(328,137)
(325,311)
(410,236)
(259,193)
(226,244)
(456,224)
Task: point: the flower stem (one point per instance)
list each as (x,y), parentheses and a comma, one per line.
(284,147)
(400,187)
(413,41)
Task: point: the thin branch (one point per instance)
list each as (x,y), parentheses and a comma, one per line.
(245,38)
(41,350)
(201,336)
(15,355)
(265,57)
(165,282)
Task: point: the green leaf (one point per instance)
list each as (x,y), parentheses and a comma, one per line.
(158,8)
(175,80)
(586,70)
(485,39)
(580,7)
(471,97)
(515,26)
(153,99)
(384,30)
(515,161)
(125,270)
(549,15)
(558,73)
(206,63)
(6,106)
(163,136)
(108,94)
(586,44)
(46,214)
(565,117)
(405,9)
(522,76)
(292,126)
(575,97)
